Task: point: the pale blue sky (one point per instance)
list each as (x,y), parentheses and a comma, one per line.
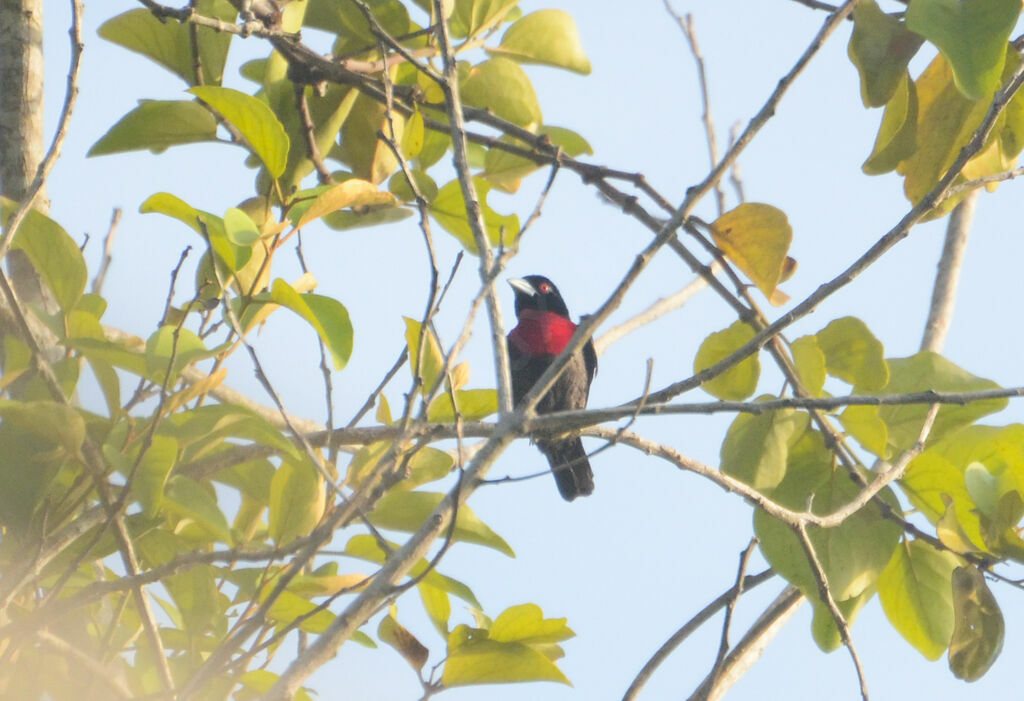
(652,546)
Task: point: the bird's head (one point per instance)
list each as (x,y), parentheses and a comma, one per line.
(537,292)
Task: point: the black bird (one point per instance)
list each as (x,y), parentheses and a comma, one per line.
(543,331)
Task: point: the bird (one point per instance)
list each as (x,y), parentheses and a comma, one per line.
(542,332)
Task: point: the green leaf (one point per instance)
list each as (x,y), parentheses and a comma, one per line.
(438,606)
(526,624)
(880,47)
(864,424)
(506,170)
(366,547)
(289,607)
(474,404)
(29,467)
(369,156)
(971,35)
(473,15)
(177,208)
(929,371)
(54,254)
(407,511)
(739,381)
(169,43)
(326,315)
(449,209)
(983,487)
(346,19)
(153,471)
(756,447)
(54,422)
(853,354)
(400,187)
(168,342)
(810,364)
(493,662)
(979,629)
(500,85)
(296,501)
(917,596)
(190,500)
(852,554)
(157,125)
(897,134)
(823,626)
(412,136)
(756,238)
(547,37)
(196,596)
(254,120)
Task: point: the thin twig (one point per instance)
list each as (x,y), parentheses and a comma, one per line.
(309,132)
(108,252)
(677,638)
(723,646)
(686,25)
(826,596)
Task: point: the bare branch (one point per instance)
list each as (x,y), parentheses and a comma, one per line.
(677,638)
(940,312)
(50,159)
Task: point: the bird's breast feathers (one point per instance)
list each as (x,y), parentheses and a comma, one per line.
(541,333)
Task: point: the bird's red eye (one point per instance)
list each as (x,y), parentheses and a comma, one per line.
(544,287)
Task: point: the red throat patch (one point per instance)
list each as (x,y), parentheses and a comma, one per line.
(540,333)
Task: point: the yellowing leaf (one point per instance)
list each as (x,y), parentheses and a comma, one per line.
(351,193)
(756,238)
(492,662)
(946,120)
(526,624)
(739,381)
(897,134)
(427,363)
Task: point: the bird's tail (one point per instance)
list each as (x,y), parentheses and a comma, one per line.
(570,466)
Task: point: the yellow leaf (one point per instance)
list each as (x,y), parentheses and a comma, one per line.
(351,193)
(756,238)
